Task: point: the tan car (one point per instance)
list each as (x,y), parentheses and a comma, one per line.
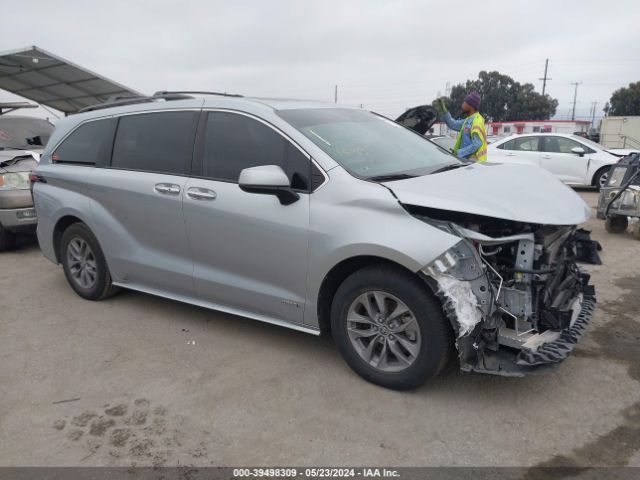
(21,142)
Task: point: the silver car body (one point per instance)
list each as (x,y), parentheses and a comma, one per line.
(250,255)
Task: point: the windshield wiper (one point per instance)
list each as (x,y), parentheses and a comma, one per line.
(391,177)
(451,166)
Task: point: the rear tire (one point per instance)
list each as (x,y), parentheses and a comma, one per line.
(616,224)
(84,264)
(397,351)
(7,239)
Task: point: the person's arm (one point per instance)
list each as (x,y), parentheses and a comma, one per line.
(452,123)
(473,147)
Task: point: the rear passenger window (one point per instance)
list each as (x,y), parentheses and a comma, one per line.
(88,144)
(155,142)
(506,145)
(234,142)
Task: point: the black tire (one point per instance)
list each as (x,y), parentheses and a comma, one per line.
(102,287)
(600,177)
(435,330)
(7,239)
(616,224)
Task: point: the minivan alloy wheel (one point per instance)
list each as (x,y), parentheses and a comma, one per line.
(82,263)
(383,331)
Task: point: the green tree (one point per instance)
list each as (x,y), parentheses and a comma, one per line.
(503,99)
(625,101)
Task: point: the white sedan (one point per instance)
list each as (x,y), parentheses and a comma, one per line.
(574,160)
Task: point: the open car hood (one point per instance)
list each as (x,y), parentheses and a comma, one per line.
(419,119)
(512,192)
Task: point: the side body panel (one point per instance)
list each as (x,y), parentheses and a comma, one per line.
(351,218)
(249,250)
(65,194)
(141,229)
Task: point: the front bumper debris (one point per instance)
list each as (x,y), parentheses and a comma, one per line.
(557,350)
(525,303)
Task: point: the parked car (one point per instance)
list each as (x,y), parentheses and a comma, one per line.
(574,160)
(21,142)
(321,219)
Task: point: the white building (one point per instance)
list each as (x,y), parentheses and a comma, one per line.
(537,126)
(504,129)
(620,132)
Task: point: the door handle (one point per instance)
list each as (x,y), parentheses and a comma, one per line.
(546,156)
(167,188)
(201,193)
(510,154)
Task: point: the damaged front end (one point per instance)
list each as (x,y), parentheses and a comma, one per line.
(513,291)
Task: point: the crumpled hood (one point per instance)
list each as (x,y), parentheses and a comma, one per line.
(30,162)
(512,192)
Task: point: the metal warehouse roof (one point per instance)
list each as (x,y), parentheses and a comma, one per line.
(50,80)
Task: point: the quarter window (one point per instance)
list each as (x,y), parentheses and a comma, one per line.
(88,144)
(234,142)
(155,142)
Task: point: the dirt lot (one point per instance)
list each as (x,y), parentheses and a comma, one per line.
(146,381)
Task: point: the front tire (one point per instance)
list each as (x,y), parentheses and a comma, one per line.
(84,264)
(390,328)
(7,239)
(616,224)
(601,177)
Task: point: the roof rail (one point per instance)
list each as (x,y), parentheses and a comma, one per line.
(196,92)
(118,101)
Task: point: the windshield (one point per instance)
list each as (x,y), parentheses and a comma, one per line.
(445,142)
(24,133)
(586,141)
(367,145)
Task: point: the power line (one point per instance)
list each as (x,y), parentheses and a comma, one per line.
(575,96)
(545,78)
(593,112)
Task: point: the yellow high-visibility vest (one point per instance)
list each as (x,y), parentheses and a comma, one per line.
(477,127)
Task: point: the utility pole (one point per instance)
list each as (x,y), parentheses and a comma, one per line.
(335,95)
(575,96)
(545,78)
(593,113)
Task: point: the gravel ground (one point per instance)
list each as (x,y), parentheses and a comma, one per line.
(139,380)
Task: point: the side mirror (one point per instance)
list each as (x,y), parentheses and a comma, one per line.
(269,180)
(578,151)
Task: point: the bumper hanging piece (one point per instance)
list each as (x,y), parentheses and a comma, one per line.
(559,349)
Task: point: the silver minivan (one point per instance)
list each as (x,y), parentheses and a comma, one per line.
(322,219)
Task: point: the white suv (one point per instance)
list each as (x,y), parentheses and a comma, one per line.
(574,160)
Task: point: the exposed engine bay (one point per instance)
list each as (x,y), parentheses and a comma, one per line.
(513,291)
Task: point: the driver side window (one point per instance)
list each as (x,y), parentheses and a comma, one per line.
(234,142)
(560,145)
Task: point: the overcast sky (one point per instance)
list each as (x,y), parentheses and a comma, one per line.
(386,55)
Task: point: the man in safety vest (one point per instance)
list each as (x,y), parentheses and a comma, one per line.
(472,137)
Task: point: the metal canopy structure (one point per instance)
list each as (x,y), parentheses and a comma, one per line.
(42,77)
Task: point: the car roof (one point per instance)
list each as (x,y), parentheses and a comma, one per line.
(536,134)
(197,101)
